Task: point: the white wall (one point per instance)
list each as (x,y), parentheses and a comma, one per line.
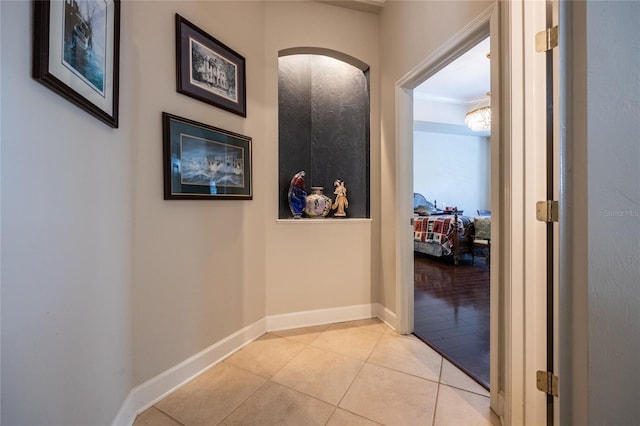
(67,203)
(426,109)
(104,284)
(452,169)
(613,210)
(451,163)
(601,346)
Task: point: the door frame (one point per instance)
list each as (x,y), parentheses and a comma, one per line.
(518,267)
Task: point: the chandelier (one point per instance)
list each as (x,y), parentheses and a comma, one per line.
(478,118)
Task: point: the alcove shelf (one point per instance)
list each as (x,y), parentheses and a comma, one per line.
(325,220)
(323,126)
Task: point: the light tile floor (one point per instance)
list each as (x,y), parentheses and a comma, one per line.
(352,373)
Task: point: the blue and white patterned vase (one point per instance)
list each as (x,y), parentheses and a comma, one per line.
(318,204)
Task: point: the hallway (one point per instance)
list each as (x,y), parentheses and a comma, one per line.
(353,373)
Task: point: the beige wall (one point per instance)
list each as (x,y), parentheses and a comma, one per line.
(105,284)
(202,269)
(198,265)
(319,264)
(409,32)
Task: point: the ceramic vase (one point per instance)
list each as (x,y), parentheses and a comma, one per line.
(318,205)
(297,196)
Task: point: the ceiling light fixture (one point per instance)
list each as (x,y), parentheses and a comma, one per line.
(478,118)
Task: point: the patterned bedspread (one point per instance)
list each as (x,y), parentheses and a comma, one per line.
(433,234)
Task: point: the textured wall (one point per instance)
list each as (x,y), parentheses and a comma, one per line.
(294,124)
(324,128)
(613,152)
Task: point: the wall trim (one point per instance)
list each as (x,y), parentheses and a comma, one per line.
(148,393)
(321,316)
(387,316)
(325,52)
(447,128)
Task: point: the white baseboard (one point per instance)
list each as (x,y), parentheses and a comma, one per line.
(500,408)
(387,316)
(148,393)
(321,316)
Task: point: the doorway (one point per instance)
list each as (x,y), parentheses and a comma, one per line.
(452,193)
(518,344)
(483,26)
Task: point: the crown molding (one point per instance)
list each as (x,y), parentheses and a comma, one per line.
(371,6)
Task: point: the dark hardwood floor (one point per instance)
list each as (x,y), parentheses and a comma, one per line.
(452,312)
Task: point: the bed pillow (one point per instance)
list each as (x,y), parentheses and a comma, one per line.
(421,206)
(482,225)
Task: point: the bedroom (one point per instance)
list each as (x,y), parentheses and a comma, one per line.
(451,170)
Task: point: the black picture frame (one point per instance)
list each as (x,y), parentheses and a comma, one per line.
(208,70)
(76,53)
(204,162)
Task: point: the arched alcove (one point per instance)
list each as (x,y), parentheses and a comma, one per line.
(323,124)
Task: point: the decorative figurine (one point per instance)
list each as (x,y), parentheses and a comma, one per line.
(341,202)
(297,195)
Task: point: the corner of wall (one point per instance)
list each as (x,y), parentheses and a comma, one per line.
(153,390)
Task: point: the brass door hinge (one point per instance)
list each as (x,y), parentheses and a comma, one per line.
(547,211)
(547,382)
(547,39)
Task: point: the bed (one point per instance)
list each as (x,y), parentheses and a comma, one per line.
(439,233)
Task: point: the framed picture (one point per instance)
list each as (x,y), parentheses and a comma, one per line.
(208,70)
(76,53)
(204,162)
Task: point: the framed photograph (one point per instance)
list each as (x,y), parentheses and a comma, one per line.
(76,53)
(208,70)
(204,162)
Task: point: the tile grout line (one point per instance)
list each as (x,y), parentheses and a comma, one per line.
(168,415)
(464,390)
(337,405)
(364,362)
(435,404)
(335,408)
(310,345)
(242,403)
(407,373)
(267,379)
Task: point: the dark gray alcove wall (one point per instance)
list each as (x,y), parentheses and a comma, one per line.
(323,124)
